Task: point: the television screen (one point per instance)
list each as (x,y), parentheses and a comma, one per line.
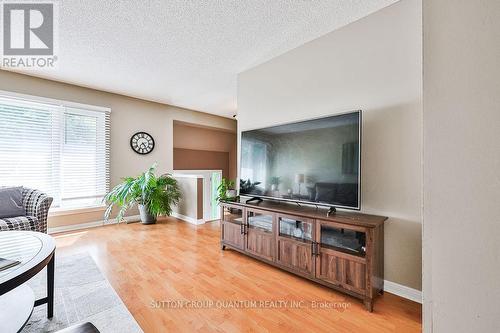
(315,161)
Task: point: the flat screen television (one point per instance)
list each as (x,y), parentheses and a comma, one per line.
(314,162)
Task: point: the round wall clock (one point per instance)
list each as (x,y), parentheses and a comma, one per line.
(142,143)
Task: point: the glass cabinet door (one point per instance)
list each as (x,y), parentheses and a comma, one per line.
(232,215)
(301,230)
(343,240)
(260,220)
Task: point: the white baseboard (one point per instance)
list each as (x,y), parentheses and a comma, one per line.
(403,291)
(188,219)
(80,226)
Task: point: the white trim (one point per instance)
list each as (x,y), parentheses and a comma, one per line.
(80,226)
(72,211)
(189,172)
(52,101)
(184,175)
(188,219)
(403,291)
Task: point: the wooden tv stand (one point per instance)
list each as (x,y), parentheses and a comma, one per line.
(343,251)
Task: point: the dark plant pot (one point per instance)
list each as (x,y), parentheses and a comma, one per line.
(146,217)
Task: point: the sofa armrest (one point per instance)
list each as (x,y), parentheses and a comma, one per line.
(37,204)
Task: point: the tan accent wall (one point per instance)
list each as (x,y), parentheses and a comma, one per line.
(189,159)
(190,140)
(79,218)
(373,64)
(128,116)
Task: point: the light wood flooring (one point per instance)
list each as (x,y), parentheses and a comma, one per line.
(174,261)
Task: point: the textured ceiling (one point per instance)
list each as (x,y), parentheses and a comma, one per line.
(186,52)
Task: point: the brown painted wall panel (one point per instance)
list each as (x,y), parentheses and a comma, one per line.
(193,137)
(190,159)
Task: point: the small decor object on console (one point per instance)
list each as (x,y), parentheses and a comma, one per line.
(299,179)
(142,143)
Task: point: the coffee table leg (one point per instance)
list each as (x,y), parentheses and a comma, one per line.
(50,286)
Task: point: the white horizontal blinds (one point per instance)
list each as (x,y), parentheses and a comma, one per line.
(85,156)
(29,152)
(62,150)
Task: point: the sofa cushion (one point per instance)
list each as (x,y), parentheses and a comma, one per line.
(347,195)
(11,202)
(325,192)
(344,194)
(18,223)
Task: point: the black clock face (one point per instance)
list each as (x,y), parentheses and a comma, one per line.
(142,143)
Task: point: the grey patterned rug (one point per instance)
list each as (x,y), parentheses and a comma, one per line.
(81,294)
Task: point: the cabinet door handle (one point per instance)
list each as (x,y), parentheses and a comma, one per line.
(316,251)
(312,249)
(241,229)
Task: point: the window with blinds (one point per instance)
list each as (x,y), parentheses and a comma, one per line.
(58,147)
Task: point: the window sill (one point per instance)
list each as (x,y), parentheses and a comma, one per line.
(72,211)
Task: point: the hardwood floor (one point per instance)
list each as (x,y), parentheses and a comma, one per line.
(175,261)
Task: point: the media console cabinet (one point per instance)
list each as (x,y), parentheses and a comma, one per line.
(343,251)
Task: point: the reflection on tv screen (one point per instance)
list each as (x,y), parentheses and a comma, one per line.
(315,161)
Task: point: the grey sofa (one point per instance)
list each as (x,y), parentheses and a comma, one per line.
(36,204)
(344,194)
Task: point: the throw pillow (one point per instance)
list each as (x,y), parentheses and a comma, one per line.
(11,202)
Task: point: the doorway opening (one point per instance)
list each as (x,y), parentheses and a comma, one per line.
(211,181)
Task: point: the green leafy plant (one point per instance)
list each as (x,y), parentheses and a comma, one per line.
(222,189)
(157,193)
(247,186)
(275,180)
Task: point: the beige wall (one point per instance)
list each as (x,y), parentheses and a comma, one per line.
(461,166)
(128,116)
(375,65)
(196,138)
(191,204)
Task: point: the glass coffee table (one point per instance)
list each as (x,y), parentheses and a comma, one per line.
(35,251)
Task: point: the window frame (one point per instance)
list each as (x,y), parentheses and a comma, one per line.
(81,108)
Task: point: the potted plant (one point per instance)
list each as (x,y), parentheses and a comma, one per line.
(226,190)
(154,195)
(275,181)
(246,186)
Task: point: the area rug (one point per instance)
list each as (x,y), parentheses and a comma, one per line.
(81,294)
